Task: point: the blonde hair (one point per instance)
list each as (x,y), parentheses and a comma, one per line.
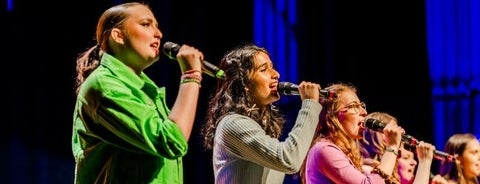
(330,128)
(372,144)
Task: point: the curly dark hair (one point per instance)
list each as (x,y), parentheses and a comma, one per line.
(231,95)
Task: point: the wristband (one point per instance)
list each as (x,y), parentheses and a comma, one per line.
(394,151)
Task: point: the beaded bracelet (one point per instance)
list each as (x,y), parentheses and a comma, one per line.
(183,81)
(191,76)
(388,179)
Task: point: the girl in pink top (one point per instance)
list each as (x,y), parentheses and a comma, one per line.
(334,156)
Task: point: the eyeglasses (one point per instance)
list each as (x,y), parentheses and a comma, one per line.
(355,106)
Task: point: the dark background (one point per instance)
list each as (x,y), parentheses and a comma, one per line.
(379,46)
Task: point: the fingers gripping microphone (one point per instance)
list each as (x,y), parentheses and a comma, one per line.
(378,126)
(288,88)
(171,50)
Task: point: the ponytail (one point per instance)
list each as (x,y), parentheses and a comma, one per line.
(86,63)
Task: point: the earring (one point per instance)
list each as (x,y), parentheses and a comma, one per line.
(253,108)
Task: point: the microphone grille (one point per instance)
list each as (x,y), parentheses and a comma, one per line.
(170,49)
(374,124)
(287,88)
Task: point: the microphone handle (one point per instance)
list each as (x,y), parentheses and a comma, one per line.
(212,70)
(376,125)
(440,155)
(323,93)
(171,50)
(292,89)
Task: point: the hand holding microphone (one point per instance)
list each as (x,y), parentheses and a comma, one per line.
(288,88)
(378,126)
(171,50)
(425,151)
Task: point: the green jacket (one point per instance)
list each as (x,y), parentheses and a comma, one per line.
(121,133)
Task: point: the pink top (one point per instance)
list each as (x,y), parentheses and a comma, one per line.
(326,163)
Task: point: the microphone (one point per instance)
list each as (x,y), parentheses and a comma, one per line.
(171,49)
(378,126)
(288,88)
